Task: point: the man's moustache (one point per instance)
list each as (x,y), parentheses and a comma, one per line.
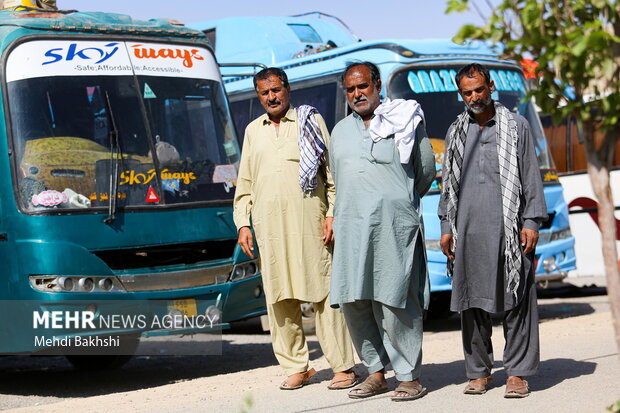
(274,102)
(360,99)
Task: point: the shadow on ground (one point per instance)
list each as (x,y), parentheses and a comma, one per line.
(54,376)
(437,376)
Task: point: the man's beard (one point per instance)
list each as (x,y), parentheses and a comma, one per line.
(478,106)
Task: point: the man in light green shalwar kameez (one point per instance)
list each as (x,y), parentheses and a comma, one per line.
(379,273)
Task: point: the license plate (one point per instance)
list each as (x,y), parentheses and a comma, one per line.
(186,306)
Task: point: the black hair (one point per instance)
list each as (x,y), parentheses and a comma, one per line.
(374,71)
(271,71)
(470,71)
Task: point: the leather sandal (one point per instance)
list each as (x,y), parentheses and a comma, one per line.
(297,380)
(369,387)
(343,380)
(478,386)
(516,388)
(413,389)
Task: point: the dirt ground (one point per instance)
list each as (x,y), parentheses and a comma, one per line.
(579,372)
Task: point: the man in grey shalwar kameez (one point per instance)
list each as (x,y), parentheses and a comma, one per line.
(489,220)
(379,275)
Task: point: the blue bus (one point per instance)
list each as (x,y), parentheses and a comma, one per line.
(119,162)
(315,48)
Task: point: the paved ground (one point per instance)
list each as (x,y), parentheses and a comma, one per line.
(580,372)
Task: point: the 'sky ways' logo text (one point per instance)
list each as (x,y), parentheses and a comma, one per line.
(187,55)
(74,51)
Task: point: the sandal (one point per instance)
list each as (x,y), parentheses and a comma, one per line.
(298,380)
(413,389)
(369,387)
(478,386)
(516,388)
(343,380)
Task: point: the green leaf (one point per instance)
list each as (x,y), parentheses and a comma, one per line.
(581,45)
(458,6)
(464,33)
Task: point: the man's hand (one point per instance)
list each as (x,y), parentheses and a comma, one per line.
(447,245)
(529,239)
(246,242)
(328,233)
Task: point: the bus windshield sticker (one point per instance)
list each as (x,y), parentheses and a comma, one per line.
(47,58)
(148,92)
(432,81)
(225,173)
(44,58)
(49,198)
(151,195)
(171,185)
(156,59)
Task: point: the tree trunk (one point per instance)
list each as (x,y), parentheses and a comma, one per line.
(598,170)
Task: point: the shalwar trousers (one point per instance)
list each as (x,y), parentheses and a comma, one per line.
(382,334)
(289,341)
(521,350)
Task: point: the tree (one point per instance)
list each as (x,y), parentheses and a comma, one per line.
(575,43)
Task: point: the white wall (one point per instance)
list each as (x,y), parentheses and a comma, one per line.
(586,232)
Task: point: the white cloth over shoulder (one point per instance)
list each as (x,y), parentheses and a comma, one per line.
(398,117)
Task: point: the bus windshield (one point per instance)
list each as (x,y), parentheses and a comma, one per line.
(435,89)
(132,132)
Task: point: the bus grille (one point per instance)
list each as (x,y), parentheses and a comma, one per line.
(163,255)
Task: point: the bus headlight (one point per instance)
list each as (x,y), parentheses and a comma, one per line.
(75,284)
(561,234)
(546,236)
(66,283)
(549,265)
(86,284)
(213,314)
(244,270)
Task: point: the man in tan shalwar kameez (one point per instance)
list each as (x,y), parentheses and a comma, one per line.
(293,231)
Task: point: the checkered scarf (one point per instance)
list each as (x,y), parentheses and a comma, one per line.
(311,147)
(507,141)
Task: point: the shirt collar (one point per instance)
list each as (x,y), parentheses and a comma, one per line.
(291,116)
(358,117)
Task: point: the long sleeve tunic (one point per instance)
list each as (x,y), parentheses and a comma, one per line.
(377,219)
(288,223)
(478,278)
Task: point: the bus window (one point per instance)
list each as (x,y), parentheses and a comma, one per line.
(245,111)
(195,141)
(65,150)
(435,89)
(322,97)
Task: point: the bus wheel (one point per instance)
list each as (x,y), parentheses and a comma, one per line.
(93,362)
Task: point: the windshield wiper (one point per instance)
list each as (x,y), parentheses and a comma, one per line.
(115,154)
